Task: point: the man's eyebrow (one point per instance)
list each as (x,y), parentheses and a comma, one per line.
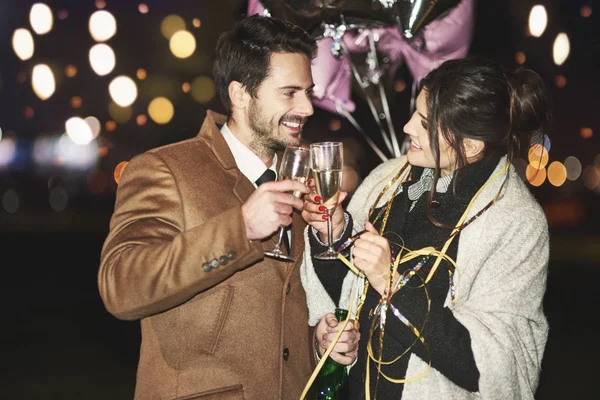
(295,87)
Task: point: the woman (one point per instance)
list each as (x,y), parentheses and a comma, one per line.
(448,272)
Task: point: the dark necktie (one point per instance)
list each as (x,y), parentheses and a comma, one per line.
(267,176)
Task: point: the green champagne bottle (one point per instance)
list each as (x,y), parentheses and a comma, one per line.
(331,383)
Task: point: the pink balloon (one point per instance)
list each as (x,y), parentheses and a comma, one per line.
(445,38)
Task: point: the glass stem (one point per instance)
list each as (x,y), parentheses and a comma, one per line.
(330,231)
(280,241)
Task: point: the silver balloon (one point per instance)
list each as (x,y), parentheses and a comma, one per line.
(414,15)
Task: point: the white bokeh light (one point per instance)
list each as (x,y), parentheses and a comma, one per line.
(42,80)
(561,48)
(79,131)
(41,18)
(123,91)
(102,25)
(23,45)
(102,59)
(538,20)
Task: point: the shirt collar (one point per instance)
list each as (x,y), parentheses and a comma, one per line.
(248,163)
(425,182)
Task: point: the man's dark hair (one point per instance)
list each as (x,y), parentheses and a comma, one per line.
(243,54)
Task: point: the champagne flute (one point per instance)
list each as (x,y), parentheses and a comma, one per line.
(327,161)
(294,165)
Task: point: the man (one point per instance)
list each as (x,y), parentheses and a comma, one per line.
(185,249)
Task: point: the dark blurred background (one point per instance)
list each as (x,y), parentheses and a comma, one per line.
(57,185)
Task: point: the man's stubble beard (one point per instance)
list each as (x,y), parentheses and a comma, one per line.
(265,133)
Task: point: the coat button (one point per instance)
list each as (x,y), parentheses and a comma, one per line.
(223,260)
(214,263)
(206,267)
(230,254)
(288,288)
(286,354)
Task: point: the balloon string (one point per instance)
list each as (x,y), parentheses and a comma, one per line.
(367,138)
(384,101)
(363,86)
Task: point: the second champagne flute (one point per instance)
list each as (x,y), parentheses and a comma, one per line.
(294,165)
(327,162)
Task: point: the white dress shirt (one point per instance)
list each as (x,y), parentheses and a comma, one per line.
(249,163)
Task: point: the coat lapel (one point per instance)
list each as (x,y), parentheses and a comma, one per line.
(242,188)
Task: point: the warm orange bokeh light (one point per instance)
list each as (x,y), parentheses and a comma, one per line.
(335,125)
(538,156)
(119,170)
(557,174)
(186,87)
(28,112)
(520,58)
(110,126)
(70,71)
(535,176)
(586,11)
(586,132)
(76,102)
(399,85)
(103,151)
(196,23)
(141,119)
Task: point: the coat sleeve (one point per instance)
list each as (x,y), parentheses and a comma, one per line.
(150,261)
(504,268)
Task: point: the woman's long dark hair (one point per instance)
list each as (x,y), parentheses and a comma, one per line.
(475,98)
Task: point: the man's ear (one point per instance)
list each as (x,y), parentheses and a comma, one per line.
(237,94)
(473,148)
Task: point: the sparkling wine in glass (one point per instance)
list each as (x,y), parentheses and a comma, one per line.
(327,162)
(295,165)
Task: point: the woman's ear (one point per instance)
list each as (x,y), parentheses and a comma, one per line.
(237,95)
(473,149)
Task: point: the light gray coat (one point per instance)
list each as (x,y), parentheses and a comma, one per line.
(500,284)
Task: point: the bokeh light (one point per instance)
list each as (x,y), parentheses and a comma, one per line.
(58,199)
(171,24)
(102,26)
(70,71)
(591,177)
(11,201)
(42,81)
(102,59)
(538,156)
(182,44)
(586,132)
(203,89)
(22,43)
(561,48)
(40,18)
(123,90)
(143,8)
(535,176)
(538,20)
(78,131)
(118,113)
(119,171)
(161,110)
(573,166)
(557,173)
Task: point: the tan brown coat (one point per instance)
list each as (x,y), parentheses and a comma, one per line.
(210,329)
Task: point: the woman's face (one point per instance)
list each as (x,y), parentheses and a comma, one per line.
(419,152)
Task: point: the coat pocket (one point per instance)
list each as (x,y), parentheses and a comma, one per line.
(228,393)
(193,328)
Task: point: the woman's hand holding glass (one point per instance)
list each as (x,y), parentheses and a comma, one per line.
(315,213)
(372,255)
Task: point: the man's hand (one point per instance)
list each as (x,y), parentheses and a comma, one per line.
(270,207)
(345,350)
